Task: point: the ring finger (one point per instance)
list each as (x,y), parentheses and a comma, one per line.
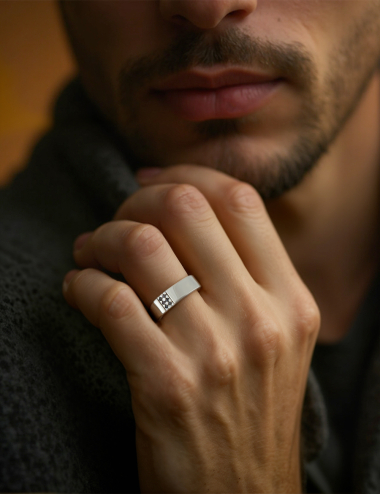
(143,256)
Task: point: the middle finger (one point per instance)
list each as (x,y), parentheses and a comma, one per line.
(192,229)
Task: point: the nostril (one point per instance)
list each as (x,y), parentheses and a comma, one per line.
(237,14)
(205,14)
(180,20)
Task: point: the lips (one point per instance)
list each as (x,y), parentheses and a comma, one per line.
(207,95)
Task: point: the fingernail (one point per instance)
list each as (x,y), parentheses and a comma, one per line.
(68,278)
(81,240)
(146,174)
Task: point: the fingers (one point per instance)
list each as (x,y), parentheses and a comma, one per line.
(141,253)
(241,213)
(138,251)
(114,308)
(194,233)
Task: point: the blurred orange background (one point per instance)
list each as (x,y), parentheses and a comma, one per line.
(35,63)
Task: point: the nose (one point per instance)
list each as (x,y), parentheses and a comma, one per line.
(205,14)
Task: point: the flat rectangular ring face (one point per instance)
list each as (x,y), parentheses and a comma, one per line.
(183,288)
(173,295)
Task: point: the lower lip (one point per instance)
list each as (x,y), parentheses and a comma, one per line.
(237,101)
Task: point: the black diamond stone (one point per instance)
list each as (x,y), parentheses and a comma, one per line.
(165,300)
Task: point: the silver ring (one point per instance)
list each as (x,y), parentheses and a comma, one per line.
(170,297)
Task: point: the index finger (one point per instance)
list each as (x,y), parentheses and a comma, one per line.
(243,216)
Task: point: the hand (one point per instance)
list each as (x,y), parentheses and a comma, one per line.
(217,386)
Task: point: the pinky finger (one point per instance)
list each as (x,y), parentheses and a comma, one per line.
(114,308)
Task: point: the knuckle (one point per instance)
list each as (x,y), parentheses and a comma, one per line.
(269,334)
(76,281)
(241,197)
(81,282)
(264,341)
(178,393)
(222,366)
(185,199)
(308,316)
(143,240)
(116,303)
(99,234)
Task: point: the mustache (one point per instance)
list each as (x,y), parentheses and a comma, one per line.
(234,47)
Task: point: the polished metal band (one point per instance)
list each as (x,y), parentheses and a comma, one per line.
(170,297)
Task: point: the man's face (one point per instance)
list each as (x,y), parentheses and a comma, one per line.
(255,88)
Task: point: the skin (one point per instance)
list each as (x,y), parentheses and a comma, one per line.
(217,386)
(126,48)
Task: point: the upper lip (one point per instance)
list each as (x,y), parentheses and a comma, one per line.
(211,79)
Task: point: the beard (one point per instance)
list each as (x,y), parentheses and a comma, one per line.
(326,102)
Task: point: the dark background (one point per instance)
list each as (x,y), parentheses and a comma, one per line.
(35,63)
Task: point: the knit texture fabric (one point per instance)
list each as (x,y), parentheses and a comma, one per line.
(66,422)
(65,411)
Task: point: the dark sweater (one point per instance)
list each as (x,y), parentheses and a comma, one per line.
(66,423)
